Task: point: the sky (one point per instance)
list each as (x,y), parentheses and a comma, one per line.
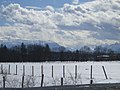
(70,23)
(38,3)
(41,3)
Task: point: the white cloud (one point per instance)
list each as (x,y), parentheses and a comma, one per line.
(50,8)
(91,23)
(75,1)
(17,14)
(33,7)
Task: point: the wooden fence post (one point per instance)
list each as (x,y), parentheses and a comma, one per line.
(41,69)
(32,70)
(52,71)
(61,81)
(9,69)
(1,69)
(23,81)
(91,81)
(104,72)
(63,71)
(3,81)
(75,71)
(23,76)
(42,80)
(23,70)
(16,70)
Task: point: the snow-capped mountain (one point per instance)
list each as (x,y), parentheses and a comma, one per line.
(53,46)
(115,47)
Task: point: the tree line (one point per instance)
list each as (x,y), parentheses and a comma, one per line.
(39,53)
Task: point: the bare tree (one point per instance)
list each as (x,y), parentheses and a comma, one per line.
(30,81)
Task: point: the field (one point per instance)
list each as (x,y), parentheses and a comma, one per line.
(53,71)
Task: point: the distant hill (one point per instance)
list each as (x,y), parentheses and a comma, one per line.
(54,46)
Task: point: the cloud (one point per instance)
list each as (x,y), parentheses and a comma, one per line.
(91,23)
(33,7)
(75,1)
(16,14)
(50,8)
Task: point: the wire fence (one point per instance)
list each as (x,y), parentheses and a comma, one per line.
(20,78)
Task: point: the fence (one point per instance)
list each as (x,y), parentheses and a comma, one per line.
(30,82)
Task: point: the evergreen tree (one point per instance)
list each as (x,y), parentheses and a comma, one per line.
(47,52)
(23,52)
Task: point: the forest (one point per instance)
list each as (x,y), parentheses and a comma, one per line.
(39,53)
